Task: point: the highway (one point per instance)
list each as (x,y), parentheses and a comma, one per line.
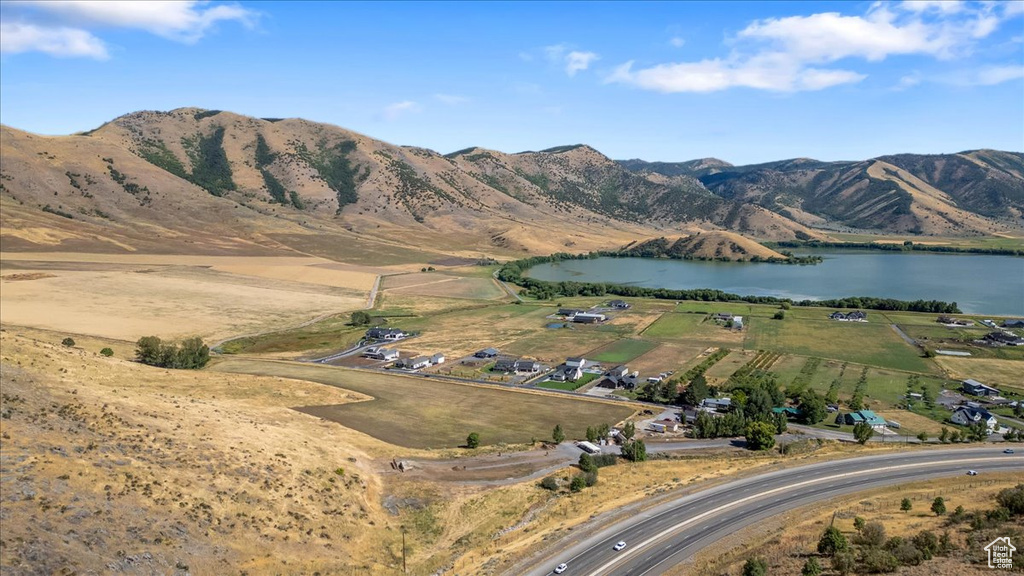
(668,534)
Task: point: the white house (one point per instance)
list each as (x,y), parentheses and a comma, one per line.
(966,415)
(575,362)
(381,354)
(437,358)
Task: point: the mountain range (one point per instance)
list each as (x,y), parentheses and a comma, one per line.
(209,180)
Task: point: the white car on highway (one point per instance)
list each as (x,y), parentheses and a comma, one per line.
(561,568)
(619,546)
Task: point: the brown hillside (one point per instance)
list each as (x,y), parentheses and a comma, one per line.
(709,245)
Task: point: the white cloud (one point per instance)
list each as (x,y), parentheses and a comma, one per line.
(63,42)
(67,28)
(394,111)
(985,76)
(451,99)
(677,41)
(908,81)
(942,6)
(576,61)
(771,72)
(794,53)
(184,21)
(573,60)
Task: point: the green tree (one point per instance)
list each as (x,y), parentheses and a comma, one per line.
(872,535)
(557,435)
(906,505)
(923,436)
(927,543)
(360,318)
(147,350)
(859,523)
(760,436)
(755,567)
(628,431)
(473,440)
(811,567)
(69,342)
(876,560)
(779,315)
(193,354)
(587,463)
(862,432)
(939,506)
(844,562)
(603,430)
(635,451)
(832,541)
(977,432)
(696,391)
(549,483)
(578,483)
(1012,499)
(107,352)
(812,407)
(944,435)
(591,434)
(786,305)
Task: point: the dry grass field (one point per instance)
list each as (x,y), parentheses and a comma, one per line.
(443,285)
(129,296)
(116,467)
(787,540)
(423,413)
(988,370)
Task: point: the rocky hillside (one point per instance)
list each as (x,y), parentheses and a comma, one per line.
(209,180)
(149,180)
(970,193)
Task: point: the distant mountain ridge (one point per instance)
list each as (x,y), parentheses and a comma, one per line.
(214,179)
(954,194)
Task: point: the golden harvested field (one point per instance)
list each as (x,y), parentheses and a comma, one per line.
(443,285)
(989,370)
(119,299)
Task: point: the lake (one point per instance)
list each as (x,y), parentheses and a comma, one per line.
(978,283)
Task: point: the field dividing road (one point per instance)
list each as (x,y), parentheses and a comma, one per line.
(672,532)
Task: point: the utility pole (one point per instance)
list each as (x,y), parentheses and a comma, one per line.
(405,569)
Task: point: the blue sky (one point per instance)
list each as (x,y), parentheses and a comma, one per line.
(745,82)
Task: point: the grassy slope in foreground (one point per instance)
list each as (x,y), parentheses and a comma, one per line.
(423,413)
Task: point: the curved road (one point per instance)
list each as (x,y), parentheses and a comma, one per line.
(666,535)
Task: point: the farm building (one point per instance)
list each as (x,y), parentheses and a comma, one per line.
(381,354)
(569,312)
(437,358)
(575,362)
(618,372)
(717,404)
(1005,338)
(665,426)
(620,304)
(486,353)
(861,416)
(588,318)
(416,363)
(975,388)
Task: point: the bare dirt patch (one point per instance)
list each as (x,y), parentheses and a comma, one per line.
(27,276)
